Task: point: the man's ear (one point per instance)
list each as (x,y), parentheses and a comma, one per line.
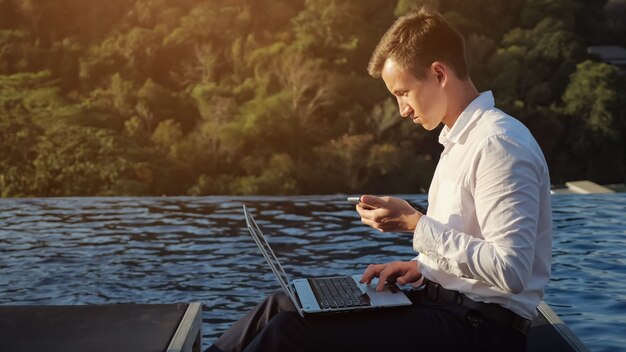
(440,70)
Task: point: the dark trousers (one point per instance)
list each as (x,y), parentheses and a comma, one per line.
(275,325)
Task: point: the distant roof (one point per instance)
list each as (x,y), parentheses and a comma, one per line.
(612,54)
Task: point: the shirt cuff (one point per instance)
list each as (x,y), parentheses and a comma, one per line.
(424,268)
(428,239)
(427,236)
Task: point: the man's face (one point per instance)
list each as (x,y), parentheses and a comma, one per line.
(421,100)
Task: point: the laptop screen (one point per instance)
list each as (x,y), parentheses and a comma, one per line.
(269,255)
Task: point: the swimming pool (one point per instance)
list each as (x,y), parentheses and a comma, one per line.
(181,249)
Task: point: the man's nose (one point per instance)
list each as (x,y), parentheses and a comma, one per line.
(405,109)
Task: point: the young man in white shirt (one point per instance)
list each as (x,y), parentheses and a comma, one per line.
(485,243)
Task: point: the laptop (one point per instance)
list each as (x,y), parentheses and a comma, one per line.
(326,294)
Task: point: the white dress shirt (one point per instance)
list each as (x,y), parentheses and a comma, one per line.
(488,229)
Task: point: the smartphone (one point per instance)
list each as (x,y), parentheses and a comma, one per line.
(354,200)
(357,200)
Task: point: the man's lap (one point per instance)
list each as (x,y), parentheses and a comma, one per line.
(424,326)
(427,325)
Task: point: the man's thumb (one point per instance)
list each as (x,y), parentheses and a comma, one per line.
(372,201)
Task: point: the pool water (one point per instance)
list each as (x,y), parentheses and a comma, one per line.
(164,250)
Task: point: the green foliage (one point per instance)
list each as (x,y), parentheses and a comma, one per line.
(533,65)
(47,148)
(597,95)
(535,11)
(77,161)
(17,138)
(592,123)
(273,175)
(199,97)
(342,163)
(167,134)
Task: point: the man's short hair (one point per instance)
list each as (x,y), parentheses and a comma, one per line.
(418,39)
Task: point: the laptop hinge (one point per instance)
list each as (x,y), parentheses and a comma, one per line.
(297,302)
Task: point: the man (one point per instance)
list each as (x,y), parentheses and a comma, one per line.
(485,243)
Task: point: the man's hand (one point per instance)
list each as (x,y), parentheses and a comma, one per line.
(400,272)
(388,214)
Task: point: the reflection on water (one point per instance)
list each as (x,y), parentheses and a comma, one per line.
(163,250)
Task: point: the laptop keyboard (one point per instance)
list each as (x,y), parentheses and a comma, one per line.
(338,292)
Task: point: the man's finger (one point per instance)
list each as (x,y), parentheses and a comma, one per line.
(364,206)
(406,278)
(372,271)
(390,274)
(411,273)
(379,215)
(371,223)
(384,275)
(389,225)
(366,213)
(372,201)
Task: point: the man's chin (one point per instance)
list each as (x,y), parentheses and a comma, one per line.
(428,127)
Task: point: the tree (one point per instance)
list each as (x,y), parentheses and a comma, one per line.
(327,28)
(532,65)
(596,121)
(308,84)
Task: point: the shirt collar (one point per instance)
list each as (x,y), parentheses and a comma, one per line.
(462,125)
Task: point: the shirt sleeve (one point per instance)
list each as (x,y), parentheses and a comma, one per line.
(505,179)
